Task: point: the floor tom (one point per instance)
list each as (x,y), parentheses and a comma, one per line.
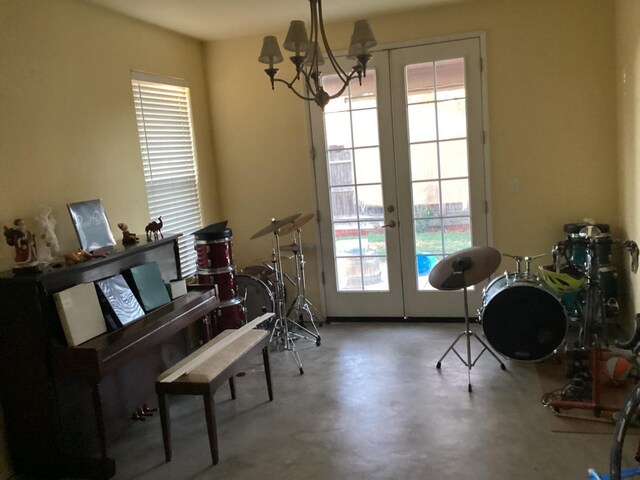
(229,315)
(224,278)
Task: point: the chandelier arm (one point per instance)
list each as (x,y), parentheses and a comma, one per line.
(344,87)
(313,65)
(313,33)
(334,63)
(291,87)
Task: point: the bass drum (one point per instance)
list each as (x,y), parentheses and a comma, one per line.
(256,286)
(522,318)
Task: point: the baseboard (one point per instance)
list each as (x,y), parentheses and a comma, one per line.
(399,319)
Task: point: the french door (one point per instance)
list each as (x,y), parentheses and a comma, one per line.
(400,179)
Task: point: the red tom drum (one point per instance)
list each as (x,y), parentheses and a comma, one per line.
(224,278)
(214,253)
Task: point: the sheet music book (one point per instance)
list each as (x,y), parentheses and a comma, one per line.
(119,301)
(149,286)
(80,313)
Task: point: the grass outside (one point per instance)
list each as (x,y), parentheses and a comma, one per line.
(428,242)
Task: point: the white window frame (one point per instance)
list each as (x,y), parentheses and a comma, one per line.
(167,146)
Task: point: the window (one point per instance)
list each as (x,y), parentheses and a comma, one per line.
(163,113)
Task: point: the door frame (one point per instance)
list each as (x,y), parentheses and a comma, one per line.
(481,36)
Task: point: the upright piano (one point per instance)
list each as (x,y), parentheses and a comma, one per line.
(64,405)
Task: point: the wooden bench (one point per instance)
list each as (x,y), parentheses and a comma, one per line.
(206,369)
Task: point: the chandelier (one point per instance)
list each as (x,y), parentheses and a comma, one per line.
(308,57)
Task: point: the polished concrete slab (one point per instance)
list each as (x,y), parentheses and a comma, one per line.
(370,405)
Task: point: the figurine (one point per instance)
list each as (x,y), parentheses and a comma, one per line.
(82,256)
(128,238)
(24,243)
(156,228)
(47,234)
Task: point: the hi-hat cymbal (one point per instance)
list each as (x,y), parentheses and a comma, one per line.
(275,225)
(271,259)
(293,247)
(465,268)
(297,223)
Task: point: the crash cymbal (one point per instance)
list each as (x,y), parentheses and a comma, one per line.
(297,223)
(275,225)
(464,268)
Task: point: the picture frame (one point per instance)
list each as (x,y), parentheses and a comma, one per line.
(92,226)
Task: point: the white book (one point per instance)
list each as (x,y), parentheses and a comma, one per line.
(80,313)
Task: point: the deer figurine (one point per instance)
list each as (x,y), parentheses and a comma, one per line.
(155,228)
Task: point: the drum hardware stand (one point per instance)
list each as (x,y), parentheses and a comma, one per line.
(280,330)
(281,324)
(595,357)
(301,304)
(593,303)
(460,263)
(527,262)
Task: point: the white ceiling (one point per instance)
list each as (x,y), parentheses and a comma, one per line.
(218,19)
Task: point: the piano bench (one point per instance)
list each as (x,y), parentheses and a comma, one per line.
(205,378)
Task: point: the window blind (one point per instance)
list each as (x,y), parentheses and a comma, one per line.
(163,112)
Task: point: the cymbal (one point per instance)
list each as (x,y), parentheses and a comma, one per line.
(293,247)
(270,259)
(275,225)
(300,221)
(464,268)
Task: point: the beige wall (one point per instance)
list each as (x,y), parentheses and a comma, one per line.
(551,106)
(628,88)
(67,130)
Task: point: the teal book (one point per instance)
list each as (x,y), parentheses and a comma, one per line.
(149,286)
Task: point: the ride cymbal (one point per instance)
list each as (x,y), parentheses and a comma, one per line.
(275,226)
(297,223)
(465,268)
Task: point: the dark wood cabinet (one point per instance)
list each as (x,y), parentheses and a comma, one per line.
(63,405)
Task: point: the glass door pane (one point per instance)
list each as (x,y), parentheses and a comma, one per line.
(355,186)
(437,128)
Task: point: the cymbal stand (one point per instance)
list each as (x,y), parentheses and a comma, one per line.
(468,333)
(301,304)
(281,324)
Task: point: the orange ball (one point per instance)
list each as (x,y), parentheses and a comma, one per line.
(618,369)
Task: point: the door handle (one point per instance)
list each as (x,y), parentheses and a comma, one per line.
(391,224)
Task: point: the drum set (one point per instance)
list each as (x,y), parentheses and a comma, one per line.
(258,289)
(521,317)
(263,289)
(526,316)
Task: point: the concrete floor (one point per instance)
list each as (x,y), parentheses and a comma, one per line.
(371,405)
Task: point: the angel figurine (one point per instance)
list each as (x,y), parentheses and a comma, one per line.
(49,245)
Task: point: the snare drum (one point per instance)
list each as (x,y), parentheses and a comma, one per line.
(229,315)
(224,278)
(215,250)
(256,286)
(522,318)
